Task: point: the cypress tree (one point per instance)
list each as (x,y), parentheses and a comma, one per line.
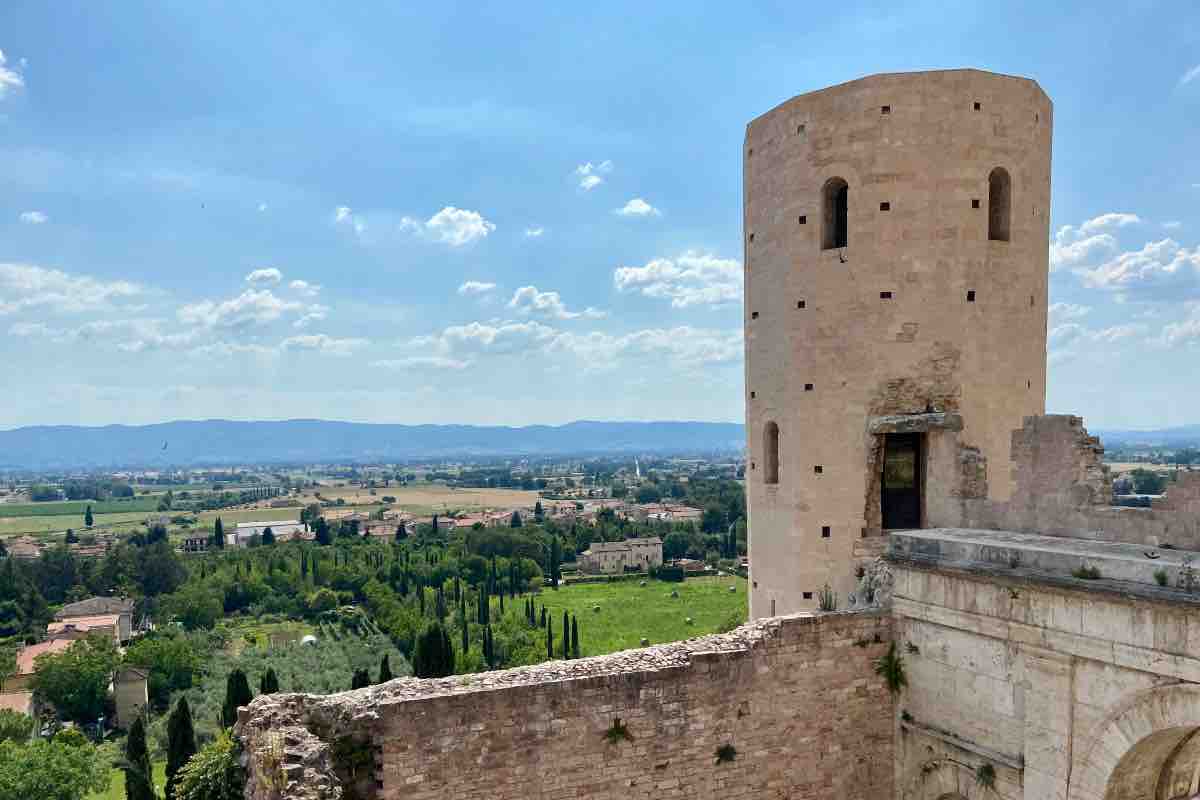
(385,670)
(218,534)
(361,679)
(138,780)
(303,564)
(501,604)
(421,597)
(87,516)
(237,693)
(574,637)
(433,654)
(549,635)
(268,536)
(545,619)
(462,621)
(566,629)
(269,682)
(181,743)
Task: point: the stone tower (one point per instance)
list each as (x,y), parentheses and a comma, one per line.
(896,232)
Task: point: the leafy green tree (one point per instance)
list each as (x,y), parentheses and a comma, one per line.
(139,780)
(269,682)
(214,773)
(75,681)
(181,744)
(87,517)
(237,694)
(385,670)
(15,726)
(433,655)
(51,770)
(196,606)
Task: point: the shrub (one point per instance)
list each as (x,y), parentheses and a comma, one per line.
(214,773)
(890,667)
(827,599)
(1160,577)
(1086,572)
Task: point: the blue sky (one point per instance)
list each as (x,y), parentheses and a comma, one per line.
(503,214)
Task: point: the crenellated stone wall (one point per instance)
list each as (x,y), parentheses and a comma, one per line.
(796,698)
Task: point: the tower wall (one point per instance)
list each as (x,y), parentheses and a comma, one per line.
(925,145)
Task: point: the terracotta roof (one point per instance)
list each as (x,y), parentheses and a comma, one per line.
(26,657)
(95,605)
(20,702)
(84,623)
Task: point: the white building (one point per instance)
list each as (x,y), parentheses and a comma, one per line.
(283,530)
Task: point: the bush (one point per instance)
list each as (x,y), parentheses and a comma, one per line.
(669,572)
(14,726)
(214,773)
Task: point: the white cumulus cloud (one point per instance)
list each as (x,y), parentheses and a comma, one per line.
(637,207)
(691,279)
(452,226)
(1164,269)
(33,217)
(684,346)
(1075,246)
(9,78)
(421,362)
(305,288)
(264,276)
(534,232)
(251,308)
(592,175)
(344,217)
(322,343)
(25,286)
(528,300)
(475,287)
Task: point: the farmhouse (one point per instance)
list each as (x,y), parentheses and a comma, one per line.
(283,530)
(609,558)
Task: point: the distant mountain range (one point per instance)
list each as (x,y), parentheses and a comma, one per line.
(1181,436)
(224,442)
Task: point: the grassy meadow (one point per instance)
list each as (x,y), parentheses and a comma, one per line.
(628,611)
(116,786)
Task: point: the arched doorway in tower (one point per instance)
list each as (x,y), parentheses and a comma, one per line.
(1162,766)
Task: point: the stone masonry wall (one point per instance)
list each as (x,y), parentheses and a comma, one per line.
(795,697)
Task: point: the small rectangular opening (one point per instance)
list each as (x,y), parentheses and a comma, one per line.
(970,295)
(978,105)
(799,304)
(818,469)
(800,130)
(753,395)
(885,295)
(825,534)
(753,315)
(807,595)
(885,206)
(803,219)
(975,202)
(808,387)
(752,237)
(885,110)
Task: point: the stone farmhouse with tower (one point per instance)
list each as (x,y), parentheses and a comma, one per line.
(1004,631)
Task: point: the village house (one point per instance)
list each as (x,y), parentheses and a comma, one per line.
(283,531)
(91,613)
(610,558)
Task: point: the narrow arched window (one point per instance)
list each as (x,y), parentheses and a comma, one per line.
(999,204)
(835,198)
(771,453)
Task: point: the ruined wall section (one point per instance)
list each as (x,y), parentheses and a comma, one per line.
(795,698)
(1063,488)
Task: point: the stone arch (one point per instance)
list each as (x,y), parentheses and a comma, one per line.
(1147,741)
(835,214)
(940,778)
(999,205)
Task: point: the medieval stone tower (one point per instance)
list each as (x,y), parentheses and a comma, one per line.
(896,233)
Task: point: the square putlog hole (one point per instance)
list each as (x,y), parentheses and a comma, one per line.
(975,202)
(800,304)
(885,110)
(885,295)
(825,532)
(978,105)
(885,206)
(970,295)
(753,315)
(803,219)
(818,469)
(808,387)
(807,595)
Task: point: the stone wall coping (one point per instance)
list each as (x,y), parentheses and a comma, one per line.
(269,710)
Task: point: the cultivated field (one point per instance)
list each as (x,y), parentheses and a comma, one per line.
(428,498)
(628,611)
(77,507)
(14,526)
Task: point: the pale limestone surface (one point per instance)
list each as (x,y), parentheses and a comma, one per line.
(926,346)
